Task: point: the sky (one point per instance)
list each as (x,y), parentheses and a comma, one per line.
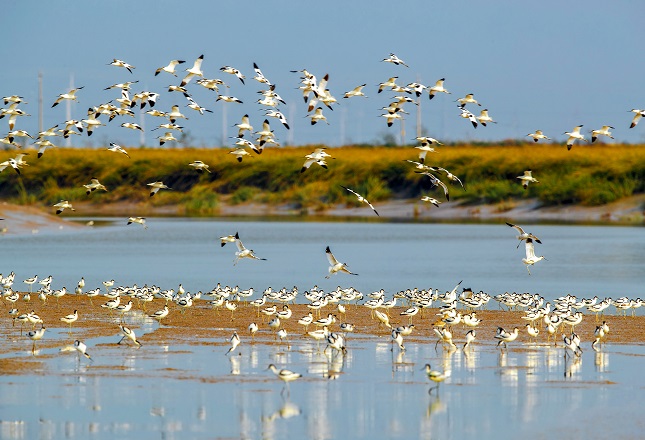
(548,65)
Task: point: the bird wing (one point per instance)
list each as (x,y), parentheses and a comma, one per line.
(519,229)
(351,191)
(332,260)
(239,244)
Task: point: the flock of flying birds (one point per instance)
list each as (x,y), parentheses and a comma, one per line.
(318,98)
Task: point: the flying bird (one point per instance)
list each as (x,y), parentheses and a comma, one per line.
(121,63)
(538,135)
(170,68)
(573,136)
(394,60)
(139,220)
(468,115)
(361,199)
(156,186)
(437,88)
(638,114)
(233,71)
(63,205)
(530,259)
(356,91)
(118,149)
(603,131)
(523,234)
(243,252)
(527,178)
(335,265)
(196,70)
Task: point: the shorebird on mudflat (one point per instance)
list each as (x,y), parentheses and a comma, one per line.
(435,376)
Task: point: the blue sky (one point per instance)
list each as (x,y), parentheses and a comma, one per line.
(547,65)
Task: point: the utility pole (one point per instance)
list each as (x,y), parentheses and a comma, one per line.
(40,101)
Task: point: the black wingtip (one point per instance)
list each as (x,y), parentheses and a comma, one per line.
(327,249)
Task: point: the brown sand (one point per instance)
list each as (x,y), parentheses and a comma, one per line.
(202,323)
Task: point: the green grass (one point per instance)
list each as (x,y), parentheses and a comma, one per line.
(586,175)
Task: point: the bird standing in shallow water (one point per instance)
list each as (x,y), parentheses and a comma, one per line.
(235,341)
(435,376)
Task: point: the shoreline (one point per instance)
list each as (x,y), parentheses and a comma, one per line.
(20,219)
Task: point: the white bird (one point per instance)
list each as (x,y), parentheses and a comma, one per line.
(361,199)
(335,265)
(259,76)
(436,182)
(121,63)
(131,126)
(160,314)
(94,185)
(395,60)
(36,335)
(240,153)
(243,126)
(503,336)
(226,98)
(70,319)
(468,99)
(175,114)
(436,376)
(70,96)
(63,205)
(527,178)
(603,131)
(235,341)
(390,117)
(117,149)
(538,135)
(484,118)
(243,252)
(199,166)
(139,220)
(356,91)
(284,374)
(531,259)
(81,348)
(233,71)
(196,70)
(279,116)
(638,114)
(574,135)
(127,333)
(437,88)
(468,115)
(523,234)
(228,239)
(170,68)
(156,186)
(167,137)
(432,200)
(318,116)
(470,337)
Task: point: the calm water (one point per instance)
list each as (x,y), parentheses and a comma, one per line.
(194,391)
(582,260)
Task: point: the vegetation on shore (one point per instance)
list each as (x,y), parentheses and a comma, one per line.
(586,175)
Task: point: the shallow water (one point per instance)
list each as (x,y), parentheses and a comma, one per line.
(195,391)
(581,260)
(192,390)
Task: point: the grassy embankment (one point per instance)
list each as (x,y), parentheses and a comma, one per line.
(586,175)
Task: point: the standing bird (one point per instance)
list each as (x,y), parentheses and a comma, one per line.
(243,252)
(470,337)
(531,259)
(235,341)
(336,266)
(435,376)
(523,235)
(160,314)
(503,336)
(361,199)
(35,335)
(284,375)
(127,333)
(574,135)
(81,348)
(70,319)
(527,178)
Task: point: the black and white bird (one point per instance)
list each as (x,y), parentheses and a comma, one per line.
(527,178)
(574,136)
(121,63)
(170,68)
(243,252)
(335,265)
(603,131)
(638,114)
(235,341)
(156,186)
(523,234)
(394,60)
(196,70)
(538,135)
(466,114)
(233,71)
(361,199)
(531,259)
